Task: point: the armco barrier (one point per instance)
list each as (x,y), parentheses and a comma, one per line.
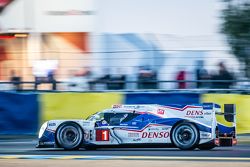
(242,108)
(18,113)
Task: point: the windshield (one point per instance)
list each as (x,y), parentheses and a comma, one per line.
(96,117)
(113,118)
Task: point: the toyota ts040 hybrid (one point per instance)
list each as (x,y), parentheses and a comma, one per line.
(183,126)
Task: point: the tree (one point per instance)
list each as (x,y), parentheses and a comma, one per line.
(236,26)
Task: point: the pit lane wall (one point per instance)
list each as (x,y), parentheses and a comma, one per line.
(22,113)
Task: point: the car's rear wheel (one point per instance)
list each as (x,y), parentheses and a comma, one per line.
(185,136)
(69,136)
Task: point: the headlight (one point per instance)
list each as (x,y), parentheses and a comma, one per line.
(42,129)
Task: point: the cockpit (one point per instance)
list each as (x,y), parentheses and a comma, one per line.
(113,117)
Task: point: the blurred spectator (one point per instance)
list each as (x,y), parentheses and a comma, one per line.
(181,76)
(15,79)
(223,74)
(51,79)
(88,75)
(147,78)
(103,80)
(201,74)
(118,80)
(115,81)
(39,80)
(77,81)
(70,81)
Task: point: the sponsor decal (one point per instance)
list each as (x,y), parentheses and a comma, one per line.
(131,106)
(52,124)
(205,135)
(165,128)
(47,143)
(194,112)
(117,106)
(134,123)
(155,134)
(193,116)
(127,106)
(155,129)
(102,135)
(86,123)
(207,113)
(160,111)
(208,106)
(133,134)
(138,139)
(158,128)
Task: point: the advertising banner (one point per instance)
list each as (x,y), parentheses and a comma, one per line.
(75,105)
(18,113)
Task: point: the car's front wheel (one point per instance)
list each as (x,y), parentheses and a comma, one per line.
(69,136)
(185,136)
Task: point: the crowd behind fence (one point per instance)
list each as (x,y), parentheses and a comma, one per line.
(105,85)
(145,78)
(123,68)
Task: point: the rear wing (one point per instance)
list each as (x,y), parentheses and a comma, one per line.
(226,130)
(229,112)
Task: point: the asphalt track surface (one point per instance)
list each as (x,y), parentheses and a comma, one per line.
(26,146)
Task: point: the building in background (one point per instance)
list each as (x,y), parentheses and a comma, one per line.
(113,35)
(49,32)
(168,36)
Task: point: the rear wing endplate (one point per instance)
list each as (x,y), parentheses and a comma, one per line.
(229,112)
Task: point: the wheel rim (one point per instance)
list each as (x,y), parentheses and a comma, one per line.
(69,135)
(185,135)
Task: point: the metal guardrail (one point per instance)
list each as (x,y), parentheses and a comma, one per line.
(243,89)
(151,81)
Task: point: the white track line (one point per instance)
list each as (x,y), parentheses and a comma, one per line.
(86,157)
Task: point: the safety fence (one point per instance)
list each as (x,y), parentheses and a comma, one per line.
(90,85)
(23,113)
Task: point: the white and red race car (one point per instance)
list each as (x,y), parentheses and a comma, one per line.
(183,126)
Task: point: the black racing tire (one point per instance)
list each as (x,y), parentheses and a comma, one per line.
(69,136)
(206,147)
(185,136)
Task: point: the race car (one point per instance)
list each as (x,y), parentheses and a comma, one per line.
(143,125)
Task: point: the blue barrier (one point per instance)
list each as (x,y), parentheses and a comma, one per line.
(162,98)
(18,113)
